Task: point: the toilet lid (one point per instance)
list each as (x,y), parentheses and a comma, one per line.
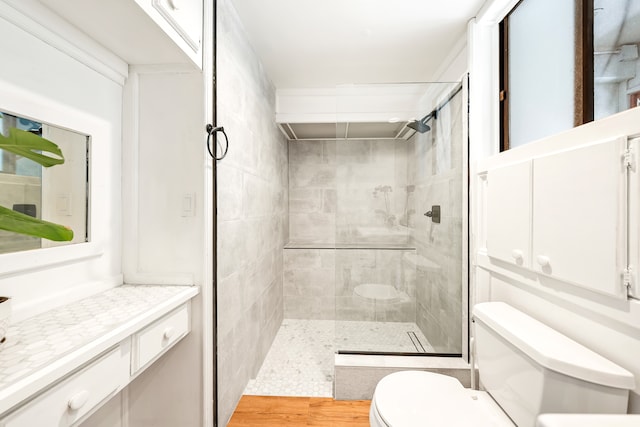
(416,398)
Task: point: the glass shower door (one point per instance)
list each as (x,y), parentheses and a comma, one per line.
(398,272)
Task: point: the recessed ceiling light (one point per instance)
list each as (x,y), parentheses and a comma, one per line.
(394,120)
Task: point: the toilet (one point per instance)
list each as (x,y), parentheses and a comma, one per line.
(526,368)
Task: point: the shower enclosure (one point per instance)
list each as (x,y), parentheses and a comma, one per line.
(376,220)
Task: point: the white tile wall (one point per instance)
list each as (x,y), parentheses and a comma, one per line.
(252,212)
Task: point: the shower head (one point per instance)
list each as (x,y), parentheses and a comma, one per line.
(419,125)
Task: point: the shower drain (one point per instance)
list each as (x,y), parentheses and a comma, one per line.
(416,342)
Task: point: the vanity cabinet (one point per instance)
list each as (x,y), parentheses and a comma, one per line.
(77,395)
(538,211)
(61,380)
(154,339)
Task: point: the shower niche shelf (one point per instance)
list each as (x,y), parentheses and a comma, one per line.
(352,246)
(380,293)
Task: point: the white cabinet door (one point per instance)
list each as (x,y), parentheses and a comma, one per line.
(66,403)
(157,338)
(509,213)
(185,16)
(578,217)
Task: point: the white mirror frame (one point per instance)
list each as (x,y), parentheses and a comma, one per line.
(24,103)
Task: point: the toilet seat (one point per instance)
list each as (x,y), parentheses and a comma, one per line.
(417,398)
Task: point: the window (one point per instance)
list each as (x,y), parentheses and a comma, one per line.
(546,66)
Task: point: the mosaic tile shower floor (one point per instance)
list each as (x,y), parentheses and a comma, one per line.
(300,361)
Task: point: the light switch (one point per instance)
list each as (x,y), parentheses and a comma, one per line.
(188,204)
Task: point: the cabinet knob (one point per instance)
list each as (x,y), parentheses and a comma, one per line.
(543,260)
(168,333)
(517,254)
(174,4)
(78,400)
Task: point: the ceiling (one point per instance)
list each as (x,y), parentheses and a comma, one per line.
(323,43)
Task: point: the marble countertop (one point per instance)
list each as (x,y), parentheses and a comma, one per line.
(53,343)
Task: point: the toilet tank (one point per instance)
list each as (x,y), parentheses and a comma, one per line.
(530,369)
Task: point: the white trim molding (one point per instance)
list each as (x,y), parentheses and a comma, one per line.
(494,11)
(42,23)
(484,87)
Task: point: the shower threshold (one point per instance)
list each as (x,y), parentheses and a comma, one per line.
(356,375)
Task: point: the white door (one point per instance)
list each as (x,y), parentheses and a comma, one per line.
(578,216)
(509,213)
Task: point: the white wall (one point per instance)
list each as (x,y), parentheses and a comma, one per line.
(164,210)
(164,190)
(606,325)
(41,82)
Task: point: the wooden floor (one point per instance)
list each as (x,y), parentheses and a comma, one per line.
(271,411)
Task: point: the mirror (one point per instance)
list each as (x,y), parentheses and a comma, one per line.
(57,194)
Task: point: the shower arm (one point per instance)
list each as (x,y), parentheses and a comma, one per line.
(434,113)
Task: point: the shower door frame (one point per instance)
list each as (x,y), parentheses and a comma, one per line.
(466,297)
